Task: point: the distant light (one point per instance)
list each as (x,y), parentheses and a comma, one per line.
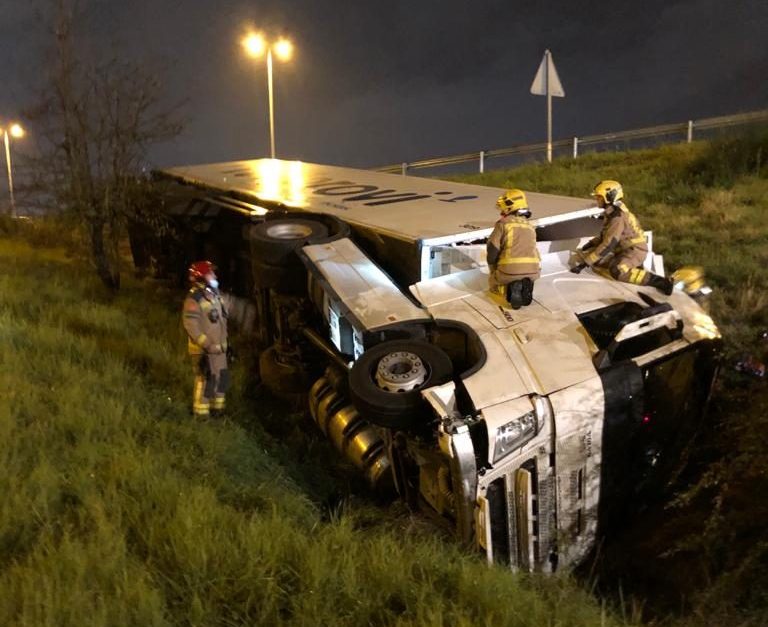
(16,130)
(283,49)
(646,419)
(255,45)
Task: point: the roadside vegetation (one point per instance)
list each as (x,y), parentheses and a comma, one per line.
(118,508)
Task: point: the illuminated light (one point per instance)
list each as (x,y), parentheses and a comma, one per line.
(646,419)
(296,182)
(16,130)
(268,179)
(255,44)
(283,49)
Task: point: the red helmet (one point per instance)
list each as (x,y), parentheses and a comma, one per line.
(199,270)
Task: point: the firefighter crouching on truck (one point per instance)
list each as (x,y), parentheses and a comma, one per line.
(621,247)
(513,259)
(205,320)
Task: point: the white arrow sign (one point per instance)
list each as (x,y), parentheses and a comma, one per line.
(547,81)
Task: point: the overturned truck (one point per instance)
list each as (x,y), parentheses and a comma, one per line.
(529,431)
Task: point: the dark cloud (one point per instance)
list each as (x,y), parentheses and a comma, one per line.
(380,82)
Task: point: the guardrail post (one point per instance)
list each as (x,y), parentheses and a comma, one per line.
(405,168)
(690,131)
(482,161)
(575,147)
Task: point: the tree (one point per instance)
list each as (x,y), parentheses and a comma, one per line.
(95,123)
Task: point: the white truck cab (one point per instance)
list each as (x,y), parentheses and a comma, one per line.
(530,430)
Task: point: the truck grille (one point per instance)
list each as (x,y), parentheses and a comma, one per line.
(513,508)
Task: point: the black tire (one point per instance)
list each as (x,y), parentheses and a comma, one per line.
(274,241)
(395,410)
(290,278)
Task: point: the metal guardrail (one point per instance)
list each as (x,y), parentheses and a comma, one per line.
(649,132)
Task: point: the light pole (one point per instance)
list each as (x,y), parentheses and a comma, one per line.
(255,46)
(16,131)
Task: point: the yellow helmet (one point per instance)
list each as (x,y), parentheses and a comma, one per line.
(610,190)
(513,201)
(690,279)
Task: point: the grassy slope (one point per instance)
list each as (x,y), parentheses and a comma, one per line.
(707,204)
(118,509)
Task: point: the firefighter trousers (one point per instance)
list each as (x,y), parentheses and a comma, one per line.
(211,383)
(627,266)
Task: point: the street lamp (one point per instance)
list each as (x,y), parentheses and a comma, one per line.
(17,131)
(255,46)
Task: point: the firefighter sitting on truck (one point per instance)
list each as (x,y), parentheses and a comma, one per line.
(621,247)
(513,259)
(205,320)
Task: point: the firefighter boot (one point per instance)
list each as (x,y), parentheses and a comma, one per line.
(661,283)
(516,294)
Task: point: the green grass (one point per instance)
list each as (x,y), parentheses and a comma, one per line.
(118,508)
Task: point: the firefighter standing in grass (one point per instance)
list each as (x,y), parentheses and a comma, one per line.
(513,259)
(621,247)
(205,320)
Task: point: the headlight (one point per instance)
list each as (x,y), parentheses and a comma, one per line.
(514,434)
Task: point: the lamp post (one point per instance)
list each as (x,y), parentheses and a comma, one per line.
(17,131)
(255,46)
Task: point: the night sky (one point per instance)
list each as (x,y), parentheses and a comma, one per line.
(378,82)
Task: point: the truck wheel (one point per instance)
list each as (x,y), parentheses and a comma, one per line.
(386,381)
(274,241)
(290,278)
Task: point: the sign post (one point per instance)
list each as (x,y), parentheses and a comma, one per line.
(547,83)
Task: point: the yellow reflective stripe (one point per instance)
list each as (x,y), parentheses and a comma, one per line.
(504,260)
(218,402)
(200,405)
(514,225)
(636,276)
(634,241)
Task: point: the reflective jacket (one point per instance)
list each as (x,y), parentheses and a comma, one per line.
(205,320)
(621,231)
(512,248)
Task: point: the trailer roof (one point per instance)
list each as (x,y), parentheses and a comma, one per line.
(407,207)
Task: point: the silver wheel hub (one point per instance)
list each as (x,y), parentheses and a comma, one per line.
(289,230)
(400,372)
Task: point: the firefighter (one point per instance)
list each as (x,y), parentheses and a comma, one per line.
(621,247)
(205,320)
(513,259)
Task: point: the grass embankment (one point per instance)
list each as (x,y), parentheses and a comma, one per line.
(707,204)
(117,508)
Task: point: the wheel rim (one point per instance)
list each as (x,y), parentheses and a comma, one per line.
(289,230)
(400,371)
